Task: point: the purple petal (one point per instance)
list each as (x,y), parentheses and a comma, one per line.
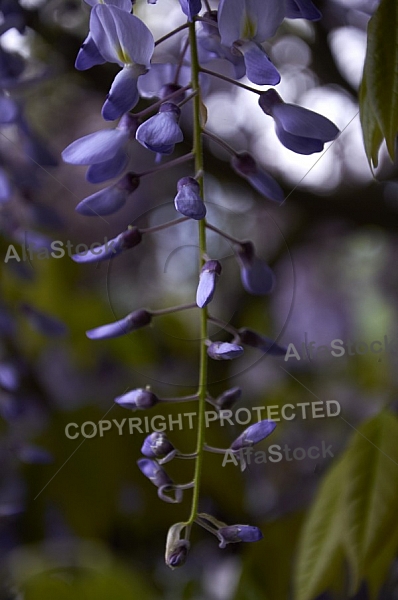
(88,55)
(228,398)
(133,321)
(161,132)
(122,4)
(300,121)
(263,343)
(207,282)
(302,9)
(156,445)
(188,201)
(123,95)
(124,241)
(104,252)
(259,68)
(9,110)
(154,472)
(298,144)
(254,434)
(9,377)
(108,169)
(34,455)
(238,533)
(246,166)
(96,147)
(110,199)
(122,37)
(249,19)
(137,399)
(105,202)
(257,278)
(191,8)
(5,187)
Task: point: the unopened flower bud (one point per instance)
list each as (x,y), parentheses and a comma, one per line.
(188,201)
(238,533)
(253,434)
(161,132)
(256,276)
(256,340)
(135,320)
(154,472)
(207,282)
(176,548)
(245,165)
(156,445)
(139,399)
(228,398)
(224,351)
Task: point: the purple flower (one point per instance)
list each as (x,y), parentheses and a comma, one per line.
(88,55)
(124,39)
(156,445)
(5,187)
(191,8)
(207,282)
(263,343)
(9,377)
(104,150)
(255,20)
(238,533)
(122,4)
(256,276)
(161,132)
(302,9)
(245,165)
(34,455)
(188,200)
(43,323)
(110,199)
(210,46)
(139,399)
(254,434)
(135,320)
(228,398)
(224,351)
(9,110)
(124,241)
(298,129)
(259,68)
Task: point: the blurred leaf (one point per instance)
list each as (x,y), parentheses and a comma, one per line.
(371,494)
(372,135)
(319,552)
(379,91)
(378,570)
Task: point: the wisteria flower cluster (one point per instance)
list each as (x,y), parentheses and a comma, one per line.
(236,32)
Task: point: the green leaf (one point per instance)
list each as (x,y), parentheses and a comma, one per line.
(372,136)
(371,493)
(320,553)
(379,90)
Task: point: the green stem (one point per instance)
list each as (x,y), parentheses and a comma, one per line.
(202,389)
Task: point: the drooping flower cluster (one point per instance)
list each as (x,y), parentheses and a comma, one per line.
(236,33)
